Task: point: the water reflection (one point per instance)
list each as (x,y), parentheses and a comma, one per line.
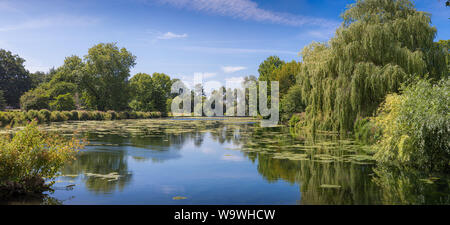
(220,162)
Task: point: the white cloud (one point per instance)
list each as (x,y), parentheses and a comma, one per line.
(205,75)
(8,7)
(234,82)
(170,35)
(245,10)
(40,23)
(233,69)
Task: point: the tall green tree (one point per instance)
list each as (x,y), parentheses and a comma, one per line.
(266,69)
(105,77)
(287,75)
(14,78)
(2,101)
(380,45)
(141,91)
(161,91)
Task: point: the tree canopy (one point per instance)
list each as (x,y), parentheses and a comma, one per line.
(105,77)
(14,78)
(380,45)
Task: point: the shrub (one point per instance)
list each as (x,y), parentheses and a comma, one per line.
(33,115)
(20,118)
(366,131)
(63,102)
(140,115)
(132,115)
(5,119)
(74,115)
(67,115)
(83,115)
(123,115)
(416,126)
(96,115)
(57,116)
(44,115)
(35,99)
(111,115)
(29,157)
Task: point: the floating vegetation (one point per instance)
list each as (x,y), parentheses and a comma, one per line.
(179,198)
(330,186)
(110,176)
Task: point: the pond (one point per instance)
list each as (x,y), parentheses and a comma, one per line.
(228,161)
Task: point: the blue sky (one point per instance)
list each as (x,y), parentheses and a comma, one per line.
(222,39)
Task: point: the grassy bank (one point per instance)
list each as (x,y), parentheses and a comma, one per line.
(19,118)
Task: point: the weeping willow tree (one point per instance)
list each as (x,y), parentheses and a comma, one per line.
(380,45)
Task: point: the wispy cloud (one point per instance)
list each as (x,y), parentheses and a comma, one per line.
(233,69)
(245,10)
(7,7)
(205,75)
(170,35)
(234,82)
(217,50)
(56,21)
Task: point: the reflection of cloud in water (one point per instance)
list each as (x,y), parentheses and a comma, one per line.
(233,158)
(170,189)
(207,150)
(143,154)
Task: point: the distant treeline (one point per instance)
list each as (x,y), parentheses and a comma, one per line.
(98,81)
(20,118)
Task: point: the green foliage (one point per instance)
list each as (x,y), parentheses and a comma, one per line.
(380,45)
(14,78)
(35,99)
(2,101)
(63,102)
(57,116)
(416,126)
(141,86)
(287,76)
(365,131)
(267,68)
(31,156)
(33,115)
(292,102)
(44,115)
(104,79)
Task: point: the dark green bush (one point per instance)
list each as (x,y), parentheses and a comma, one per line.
(44,115)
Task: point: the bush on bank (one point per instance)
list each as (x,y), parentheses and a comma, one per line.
(416,127)
(18,118)
(31,156)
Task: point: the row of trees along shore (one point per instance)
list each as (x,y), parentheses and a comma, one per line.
(100,81)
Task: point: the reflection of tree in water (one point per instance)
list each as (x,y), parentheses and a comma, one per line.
(343,182)
(101,163)
(354,186)
(235,134)
(409,186)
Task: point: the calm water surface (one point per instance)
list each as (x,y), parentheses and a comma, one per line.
(229,162)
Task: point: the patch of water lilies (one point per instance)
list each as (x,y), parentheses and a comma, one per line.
(325,148)
(114,176)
